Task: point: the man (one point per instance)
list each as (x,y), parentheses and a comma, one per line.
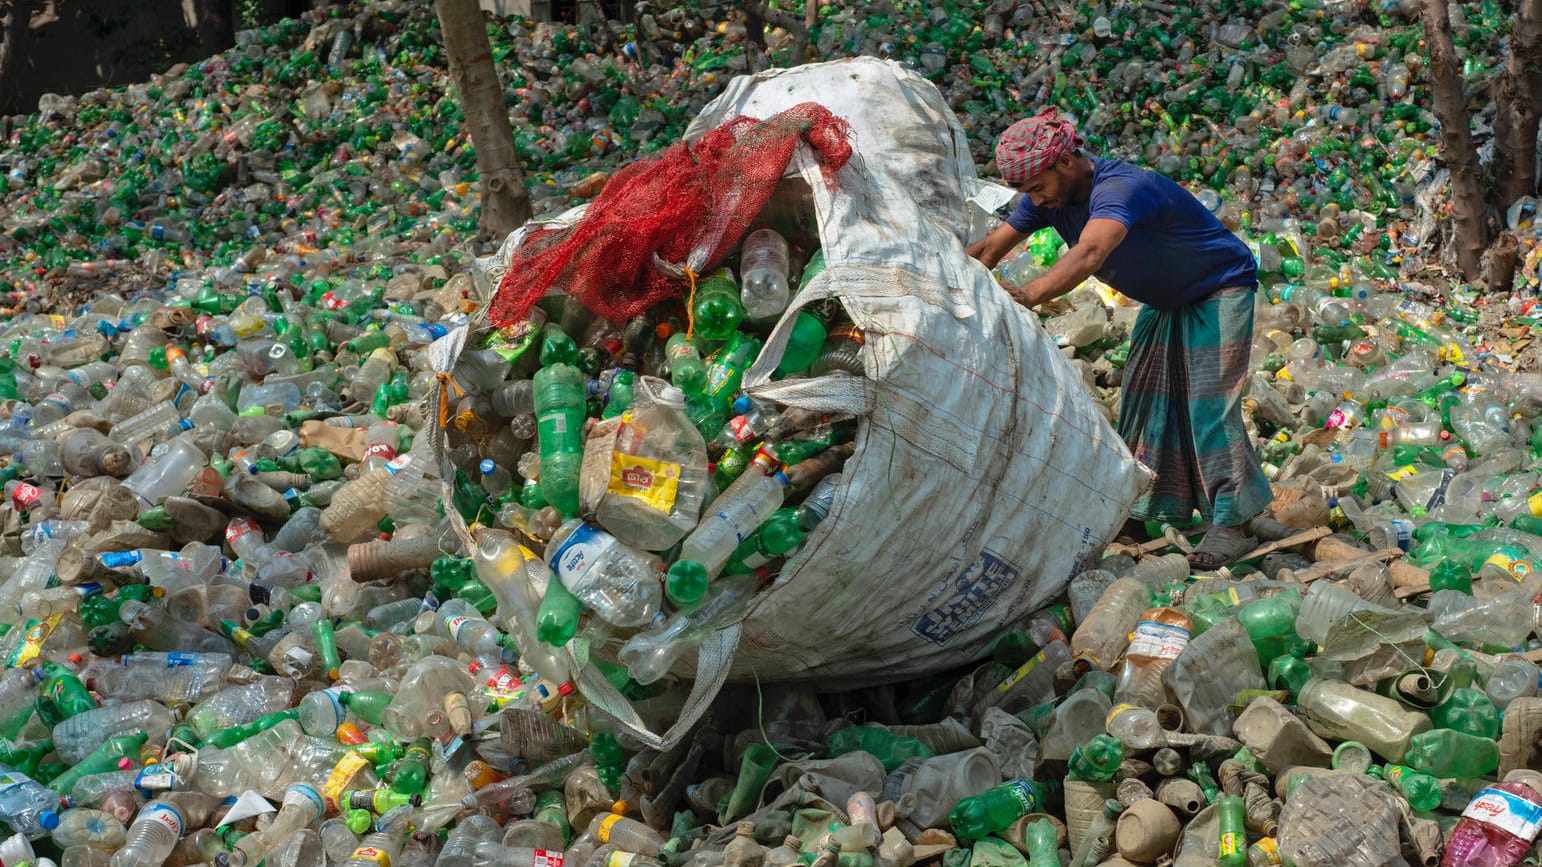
(1149,238)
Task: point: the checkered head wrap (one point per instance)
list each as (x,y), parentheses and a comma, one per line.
(1033,144)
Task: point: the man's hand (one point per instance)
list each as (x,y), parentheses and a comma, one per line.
(989,249)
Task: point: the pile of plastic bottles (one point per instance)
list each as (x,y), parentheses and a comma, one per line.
(338,134)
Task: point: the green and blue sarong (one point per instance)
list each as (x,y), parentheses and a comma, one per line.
(1181,412)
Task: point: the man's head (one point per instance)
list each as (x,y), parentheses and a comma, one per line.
(1039,156)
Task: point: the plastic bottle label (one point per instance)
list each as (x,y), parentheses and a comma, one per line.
(1158,640)
(606,824)
(165,814)
(1513,814)
(1513,561)
(579,552)
(1117,711)
(156,778)
(121,559)
(1229,845)
(1023,794)
(342,774)
(1402,532)
(1269,849)
(651,483)
(179,658)
(378,450)
(31,646)
(503,687)
(370,853)
(305,796)
(1023,671)
(548,858)
(26,496)
(240,527)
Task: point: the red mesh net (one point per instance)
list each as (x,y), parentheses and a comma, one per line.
(696,198)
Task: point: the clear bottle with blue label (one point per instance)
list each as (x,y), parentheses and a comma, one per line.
(619,583)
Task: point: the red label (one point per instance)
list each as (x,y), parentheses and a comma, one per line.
(240,527)
(26,496)
(637,477)
(382,450)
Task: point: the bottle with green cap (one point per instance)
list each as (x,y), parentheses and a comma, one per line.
(559,411)
(717,310)
(1446,753)
(1097,760)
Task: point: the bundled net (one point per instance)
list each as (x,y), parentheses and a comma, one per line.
(660,220)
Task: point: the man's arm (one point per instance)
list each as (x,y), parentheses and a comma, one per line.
(1098,239)
(996,244)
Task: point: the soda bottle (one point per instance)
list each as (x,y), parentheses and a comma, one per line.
(559,411)
(686,369)
(302,805)
(1232,812)
(717,310)
(1497,828)
(1097,760)
(995,809)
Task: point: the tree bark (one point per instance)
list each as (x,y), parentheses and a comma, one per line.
(505,201)
(1520,109)
(1467,200)
(13,51)
(760,15)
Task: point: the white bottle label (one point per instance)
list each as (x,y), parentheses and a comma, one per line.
(165,814)
(1158,640)
(574,562)
(1511,813)
(738,516)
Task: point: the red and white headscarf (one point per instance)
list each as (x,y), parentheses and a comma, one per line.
(1033,144)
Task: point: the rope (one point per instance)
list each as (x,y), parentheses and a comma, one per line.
(690,306)
(444,397)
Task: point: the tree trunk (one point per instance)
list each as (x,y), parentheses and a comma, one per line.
(760,15)
(216,24)
(1467,201)
(13,52)
(1520,109)
(505,201)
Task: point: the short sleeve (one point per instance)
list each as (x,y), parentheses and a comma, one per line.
(1123,199)
(1026,218)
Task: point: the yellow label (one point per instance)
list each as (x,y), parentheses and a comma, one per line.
(32,646)
(1023,671)
(1269,849)
(1516,568)
(370,853)
(1284,373)
(385,356)
(1232,597)
(1229,844)
(1534,504)
(1400,472)
(621,859)
(1117,711)
(342,774)
(606,824)
(652,483)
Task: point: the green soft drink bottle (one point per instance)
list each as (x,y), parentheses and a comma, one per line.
(1421,790)
(1446,753)
(725,370)
(803,345)
(1234,836)
(717,310)
(1043,844)
(1097,760)
(1271,624)
(686,369)
(995,809)
(61,694)
(556,622)
(559,413)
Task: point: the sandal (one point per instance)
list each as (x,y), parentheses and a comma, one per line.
(1222,546)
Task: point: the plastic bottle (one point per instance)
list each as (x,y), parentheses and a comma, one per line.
(26,805)
(559,410)
(717,311)
(648,656)
(994,809)
(1104,634)
(159,825)
(1334,709)
(1160,636)
(658,475)
(763,267)
(1497,828)
(729,520)
(1232,814)
(302,805)
(619,583)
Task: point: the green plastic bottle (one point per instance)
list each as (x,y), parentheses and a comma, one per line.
(1451,575)
(686,369)
(61,694)
(717,310)
(803,345)
(995,809)
(410,773)
(366,704)
(1043,844)
(560,611)
(559,412)
(103,759)
(755,768)
(889,748)
(1446,753)
(779,534)
(1097,760)
(1271,624)
(725,371)
(1232,812)
(1421,790)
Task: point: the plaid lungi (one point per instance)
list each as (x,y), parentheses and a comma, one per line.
(1181,411)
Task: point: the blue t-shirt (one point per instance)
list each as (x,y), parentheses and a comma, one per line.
(1176,251)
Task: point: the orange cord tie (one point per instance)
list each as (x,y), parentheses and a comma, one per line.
(690,306)
(444,397)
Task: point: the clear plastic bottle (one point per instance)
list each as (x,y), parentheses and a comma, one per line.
(460,846)
(26,805)
(302,805)
(76,737)
(1334,709)
(357,507)
(1105,633)
(159,825)
(158,422)
(516,577)
(88,452)
(649,655)
(620,583)
(82,826)
(733,517)
(169,474)
(1159,638)
(763,267)
(658,475)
